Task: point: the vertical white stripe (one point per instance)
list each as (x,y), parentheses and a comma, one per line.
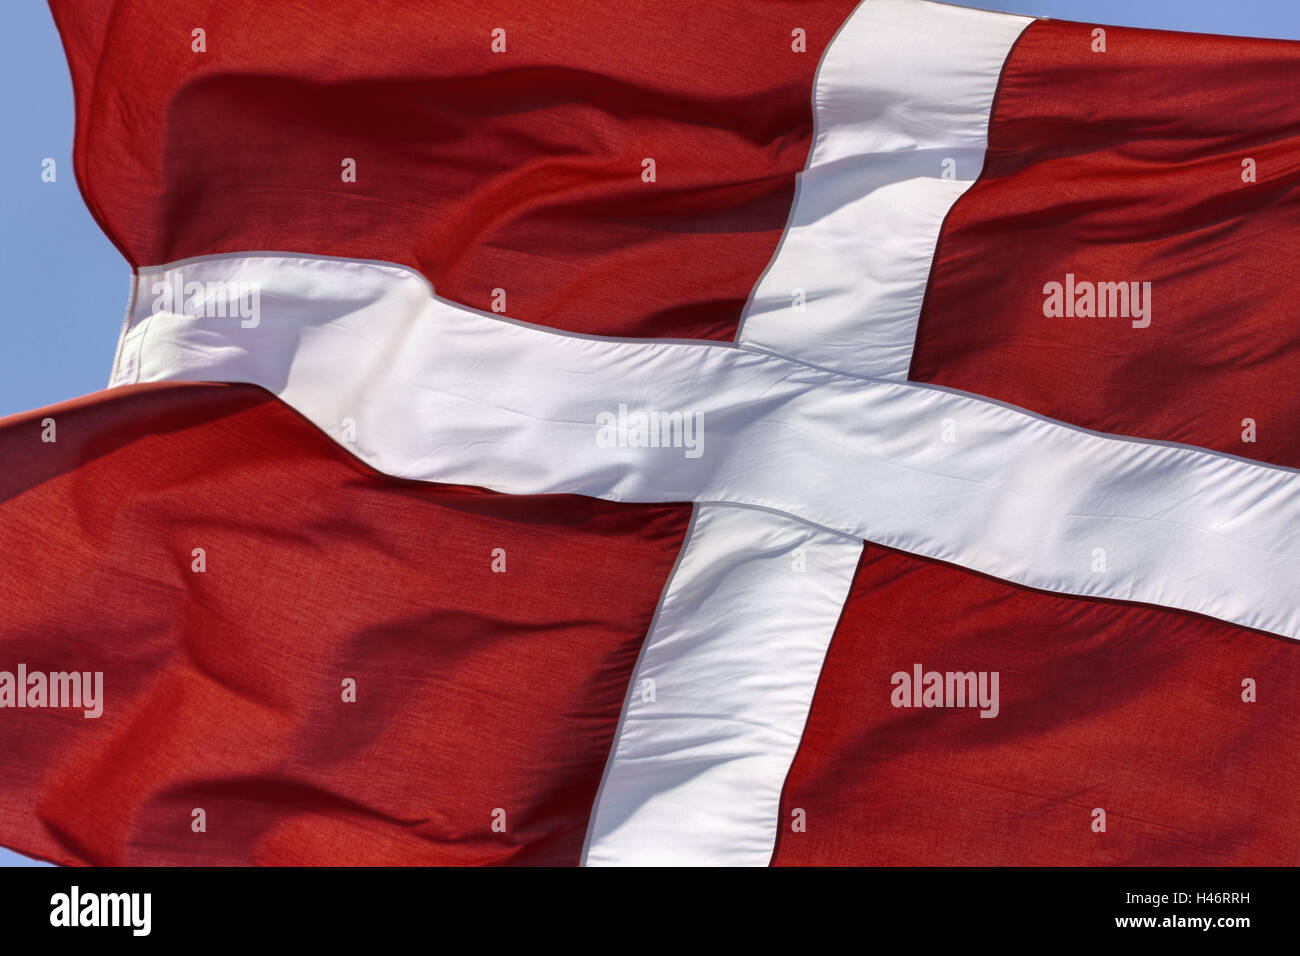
(902,99)
(734,655)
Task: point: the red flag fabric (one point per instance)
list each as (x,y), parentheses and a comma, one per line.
(1119,167)
(320,659)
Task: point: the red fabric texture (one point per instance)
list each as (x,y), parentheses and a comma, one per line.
(1127,166)
(475,690)
(1130,709)
(519,170)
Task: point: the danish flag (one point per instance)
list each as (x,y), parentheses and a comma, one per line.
(666,433)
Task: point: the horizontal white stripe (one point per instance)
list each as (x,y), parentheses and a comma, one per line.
(441,393)
(695,775)
(902,92)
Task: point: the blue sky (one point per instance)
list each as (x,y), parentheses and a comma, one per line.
(68,285)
